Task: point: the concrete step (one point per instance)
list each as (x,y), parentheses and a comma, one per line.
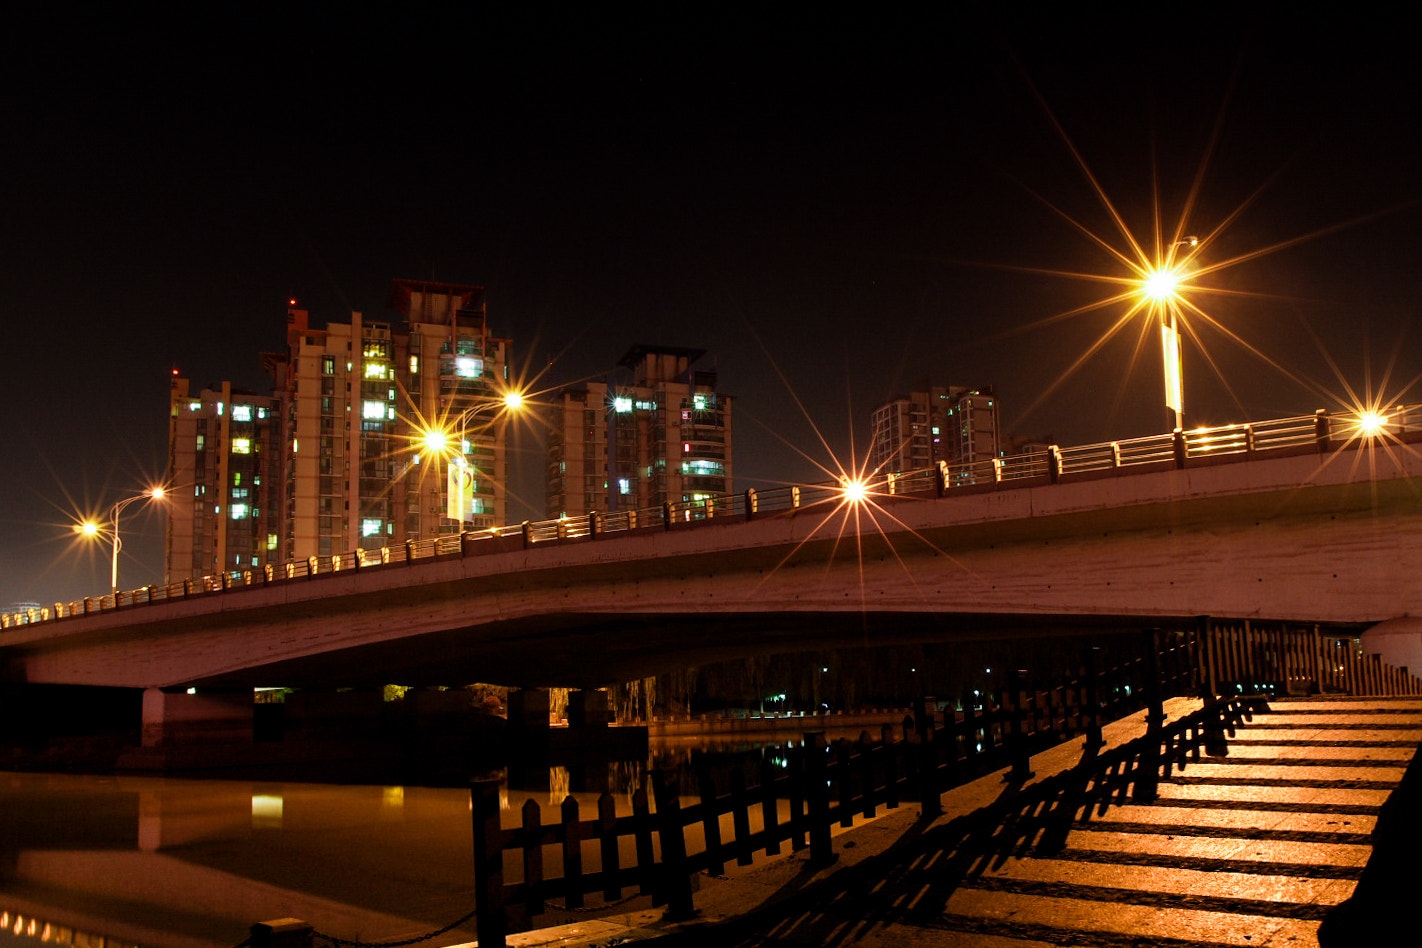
(1247,849)
(1255,847)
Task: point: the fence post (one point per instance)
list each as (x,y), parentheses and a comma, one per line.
(281,933)
(1017,732)
(1092,698)
(927,758)
(677,877)
(817,798)
(1179,446)
(1147,781)
(488,864)
(750,503)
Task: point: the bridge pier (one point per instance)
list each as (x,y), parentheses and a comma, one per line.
(175,718)
(315,715)
(528,712)
(588,709)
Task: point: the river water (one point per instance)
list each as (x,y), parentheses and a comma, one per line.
(115,861)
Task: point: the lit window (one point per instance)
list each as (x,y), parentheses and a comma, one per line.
(374,370)
(194,406)
(468,367)
(621,404)
(271,542)
(704,468)
(624,485)
(201,441)
(698,402)
(372,410)
(371,527)
(328,365)
(236,477)
(239,511)
(219,408)
(241,445)
(414,365)
(241,412)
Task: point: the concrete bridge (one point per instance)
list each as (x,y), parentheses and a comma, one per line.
(1309,520)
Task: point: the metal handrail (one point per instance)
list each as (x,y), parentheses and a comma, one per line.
(1238,441)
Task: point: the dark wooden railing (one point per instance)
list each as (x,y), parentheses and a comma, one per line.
(942,746)
(1244,657)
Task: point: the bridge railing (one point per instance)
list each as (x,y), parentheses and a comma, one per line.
(1052,463)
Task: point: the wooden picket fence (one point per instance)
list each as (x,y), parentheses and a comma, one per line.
(795,806)
(942,745)
(1249,657)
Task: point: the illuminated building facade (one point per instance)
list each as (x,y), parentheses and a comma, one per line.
(224,478)
(343,429)
(655,432)
(954,424)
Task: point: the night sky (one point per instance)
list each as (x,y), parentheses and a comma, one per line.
(834,205)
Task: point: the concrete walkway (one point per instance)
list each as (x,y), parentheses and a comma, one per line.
(1254,848)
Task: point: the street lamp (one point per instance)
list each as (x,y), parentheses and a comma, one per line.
(1162,287)
(90,528)
(459,476)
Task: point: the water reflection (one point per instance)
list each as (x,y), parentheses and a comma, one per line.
(122,861)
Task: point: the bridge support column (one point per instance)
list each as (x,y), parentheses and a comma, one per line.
(207,717)
(528,711)
(588,710)
(334,715)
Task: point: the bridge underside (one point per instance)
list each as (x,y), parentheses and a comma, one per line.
(595,650)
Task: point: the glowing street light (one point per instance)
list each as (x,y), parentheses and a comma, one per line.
(854,490)
(1162,286)
(1370,423)
(439,441)
(90,528)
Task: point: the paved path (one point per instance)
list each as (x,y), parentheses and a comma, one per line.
(1253,848)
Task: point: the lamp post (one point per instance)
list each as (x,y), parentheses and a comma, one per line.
(1162,287)
(459,477)
(92,528)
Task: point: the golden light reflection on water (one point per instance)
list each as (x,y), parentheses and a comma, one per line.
(266,811)
(48,933)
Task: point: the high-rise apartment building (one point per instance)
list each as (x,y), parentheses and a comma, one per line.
(655,432)
(954,424)
(224,476)
(343,429)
